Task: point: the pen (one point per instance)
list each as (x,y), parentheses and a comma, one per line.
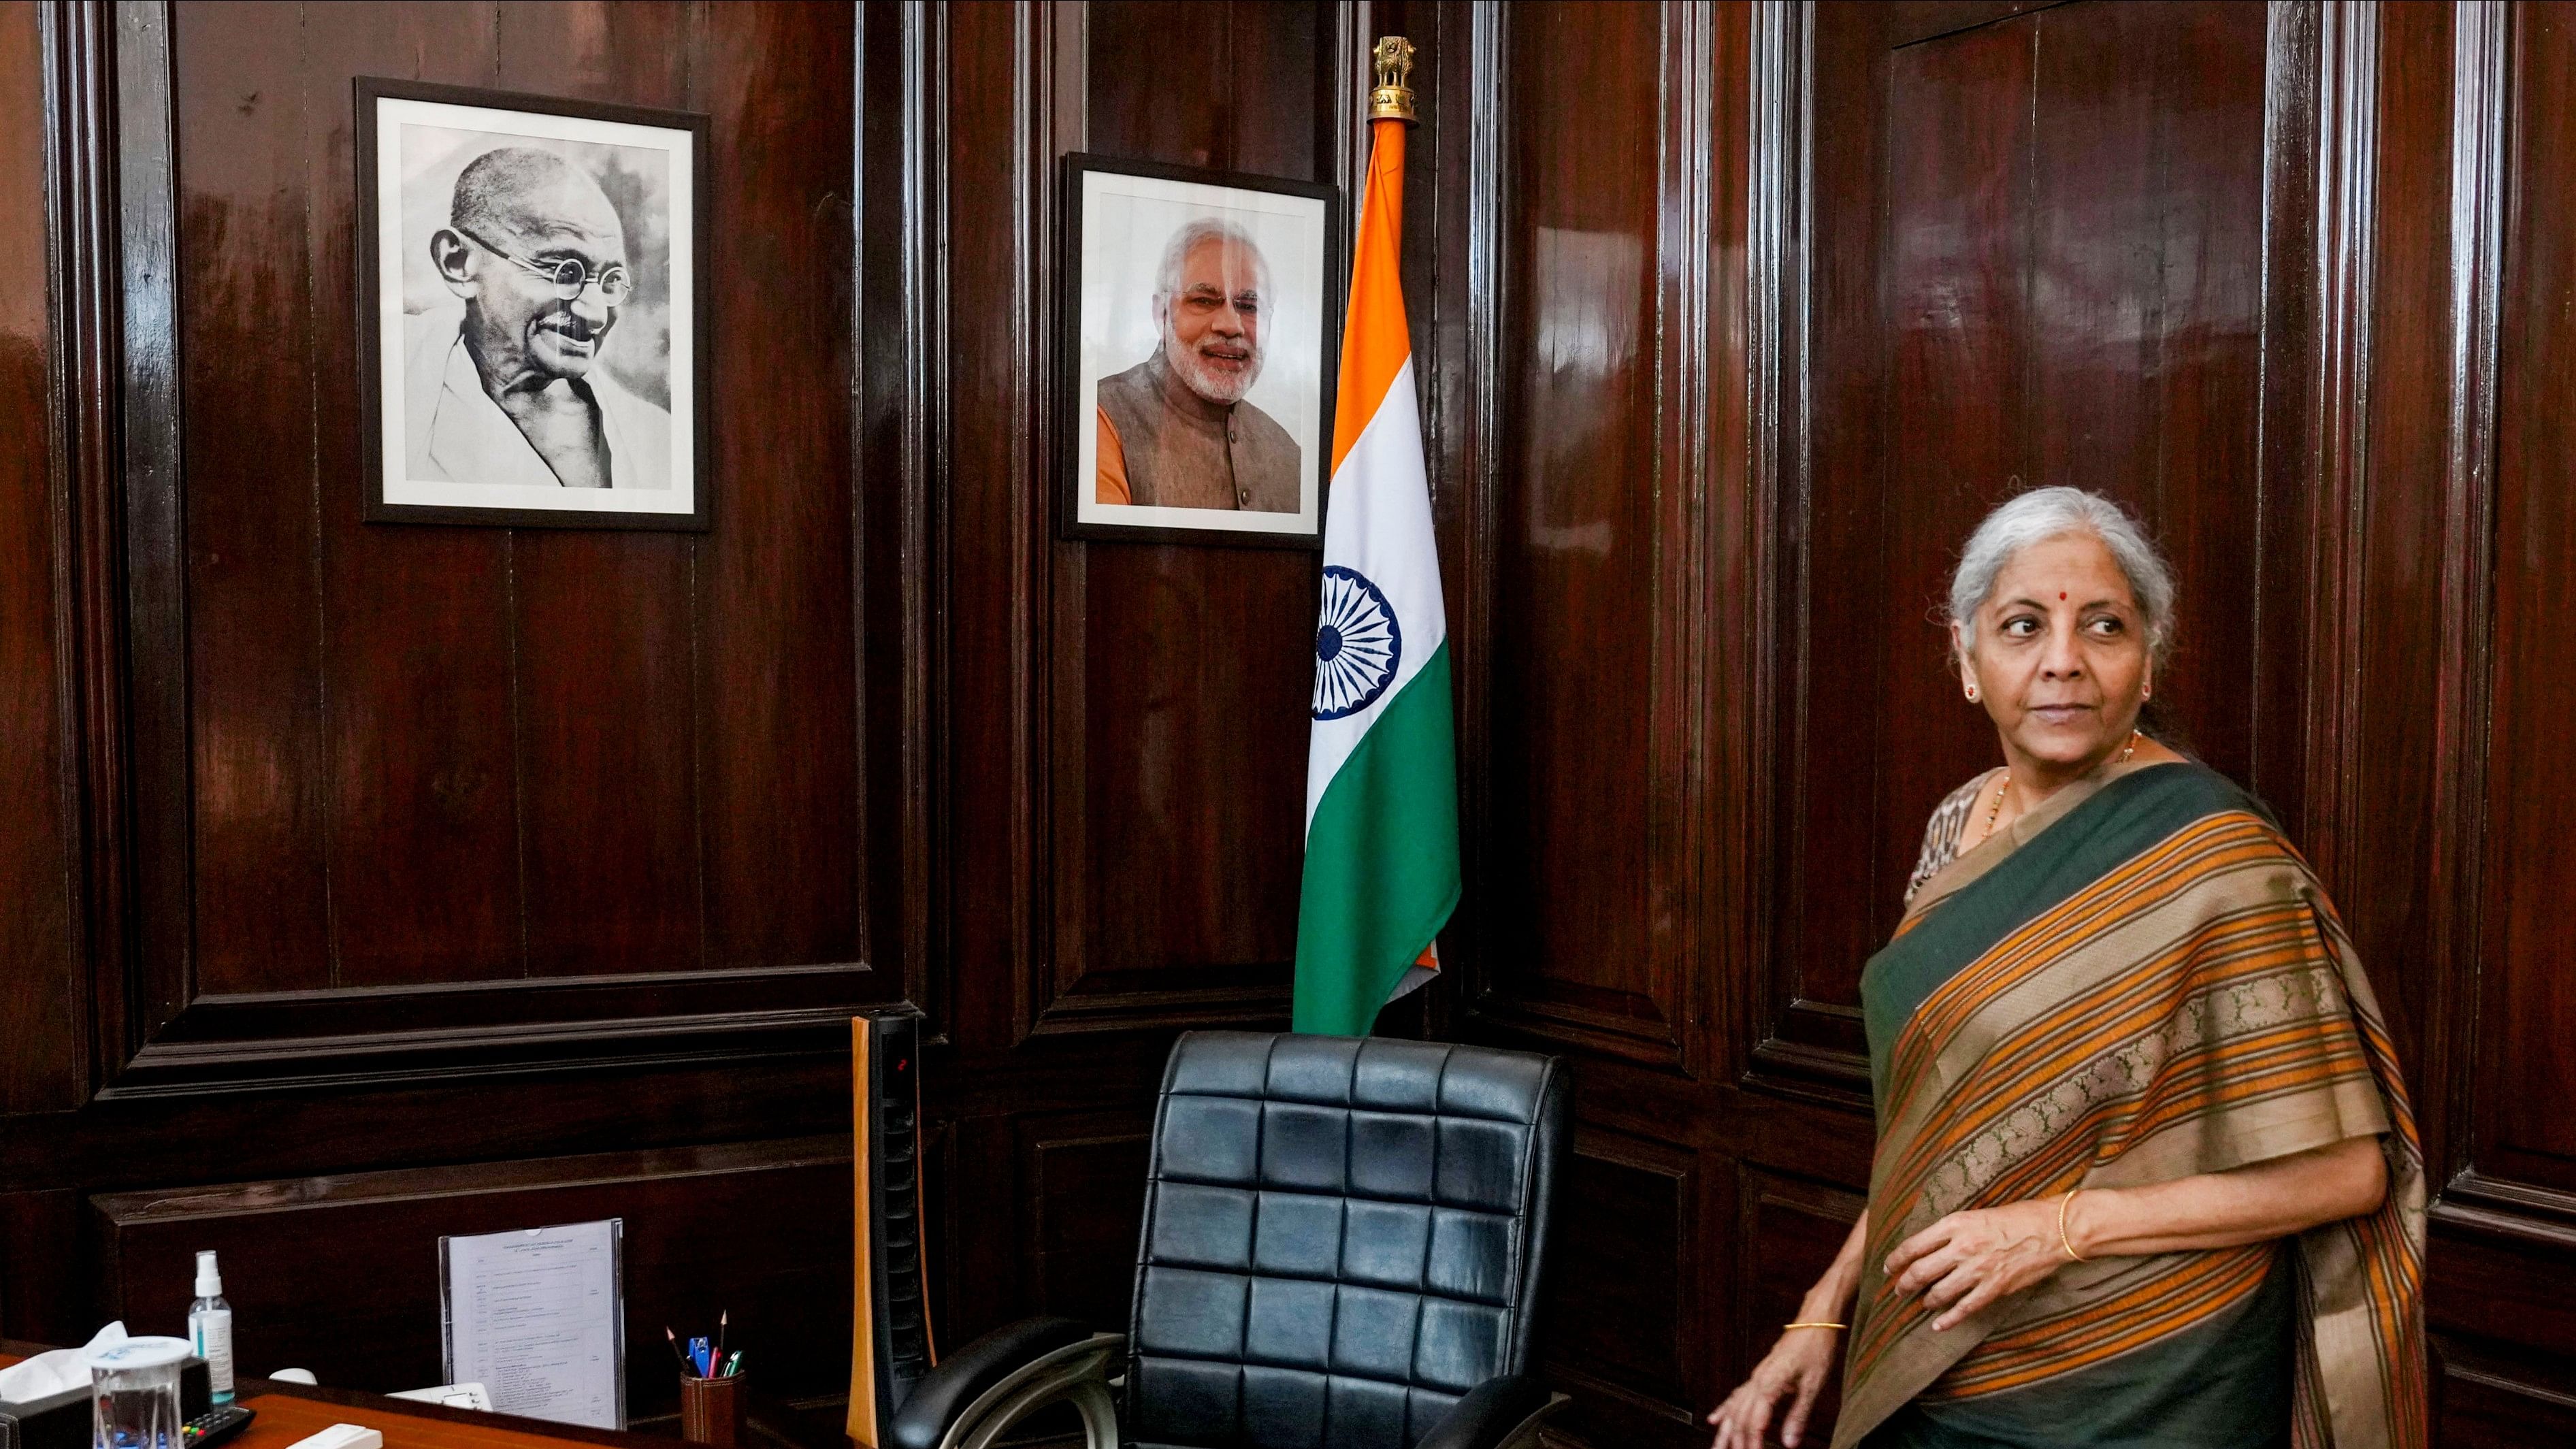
(733,1365)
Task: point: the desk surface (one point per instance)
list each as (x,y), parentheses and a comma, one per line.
(288,1412)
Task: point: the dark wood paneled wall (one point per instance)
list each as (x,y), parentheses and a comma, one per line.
(366,883)
(2278,277)
(390,881)
(1121,790)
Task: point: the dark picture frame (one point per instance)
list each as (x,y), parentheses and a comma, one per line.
(685,501)
(1102,277)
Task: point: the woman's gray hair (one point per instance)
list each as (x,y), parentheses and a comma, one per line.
(2046,513)
(1176,254)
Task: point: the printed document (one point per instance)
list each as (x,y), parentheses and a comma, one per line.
(536,1317)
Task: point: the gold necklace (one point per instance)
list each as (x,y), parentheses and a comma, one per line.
(1996,810)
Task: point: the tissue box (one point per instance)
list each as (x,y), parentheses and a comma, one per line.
(63,1420)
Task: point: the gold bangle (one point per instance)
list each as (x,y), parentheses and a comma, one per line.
(2063,1241)
(1837,1327)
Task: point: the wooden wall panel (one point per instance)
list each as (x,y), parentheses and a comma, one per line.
(1790,1229)
(254,657)
(1828,141)
(1589,425)
(2481,1413)
(39,854)
(2528,1003)
(1961,328)
(2401,716)
(447,755)
(1729,321)
(1130,716)
(307,819)
(2487,905)
(1565,917)
(414,680)
(1176,705)
(2148,190)
(759,1230)
(2058,280)
(778,629)
(1083,1190)
(2483,1400)
(1594,443)
(1119,794)
(1619,1292)
(602,622)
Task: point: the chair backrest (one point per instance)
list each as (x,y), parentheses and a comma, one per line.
(1342,1237)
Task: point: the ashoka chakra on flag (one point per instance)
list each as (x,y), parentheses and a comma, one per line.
(1357,646)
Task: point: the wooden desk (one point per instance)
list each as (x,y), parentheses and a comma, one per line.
(288,1412)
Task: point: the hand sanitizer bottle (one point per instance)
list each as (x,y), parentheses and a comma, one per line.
(210,1329)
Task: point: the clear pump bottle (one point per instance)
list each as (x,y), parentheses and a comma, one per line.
(210,1329)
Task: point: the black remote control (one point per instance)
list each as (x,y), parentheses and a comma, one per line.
(215,1426)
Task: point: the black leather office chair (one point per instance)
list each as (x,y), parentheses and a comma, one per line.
(1342,1249)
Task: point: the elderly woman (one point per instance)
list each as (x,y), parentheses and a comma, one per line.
(2145,1173)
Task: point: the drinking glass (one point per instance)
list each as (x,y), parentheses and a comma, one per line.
(134,1393)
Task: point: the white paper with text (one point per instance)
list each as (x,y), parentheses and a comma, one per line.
(536,1316)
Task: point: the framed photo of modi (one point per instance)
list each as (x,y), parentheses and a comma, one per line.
(532,307)
(1197,360)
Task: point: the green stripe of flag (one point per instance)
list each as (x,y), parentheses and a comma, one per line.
(1381,859)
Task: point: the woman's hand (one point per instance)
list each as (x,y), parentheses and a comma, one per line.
(1969,1259)
(1794,1369)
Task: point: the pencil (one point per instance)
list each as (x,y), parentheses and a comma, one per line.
(676,1352)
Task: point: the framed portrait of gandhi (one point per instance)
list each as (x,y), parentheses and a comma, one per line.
(532,310)
(1197,360)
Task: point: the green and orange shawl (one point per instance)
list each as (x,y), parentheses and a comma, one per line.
(2138,981)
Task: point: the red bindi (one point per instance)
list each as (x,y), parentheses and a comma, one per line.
(2061,596)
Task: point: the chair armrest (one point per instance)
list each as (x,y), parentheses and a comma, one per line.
(961,1378)
(1499,1412)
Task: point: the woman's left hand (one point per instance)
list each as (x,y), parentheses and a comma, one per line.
(1969,1259)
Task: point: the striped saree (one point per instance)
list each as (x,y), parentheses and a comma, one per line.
(2138,981)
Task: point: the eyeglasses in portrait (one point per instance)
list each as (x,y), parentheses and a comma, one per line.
(534,296)
(1197,355)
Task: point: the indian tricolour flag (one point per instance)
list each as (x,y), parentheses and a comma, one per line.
(1381,771)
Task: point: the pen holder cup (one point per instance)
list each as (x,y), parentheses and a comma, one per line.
(711,1410)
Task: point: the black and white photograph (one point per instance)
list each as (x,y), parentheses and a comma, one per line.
(1198,350)
(535,268)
